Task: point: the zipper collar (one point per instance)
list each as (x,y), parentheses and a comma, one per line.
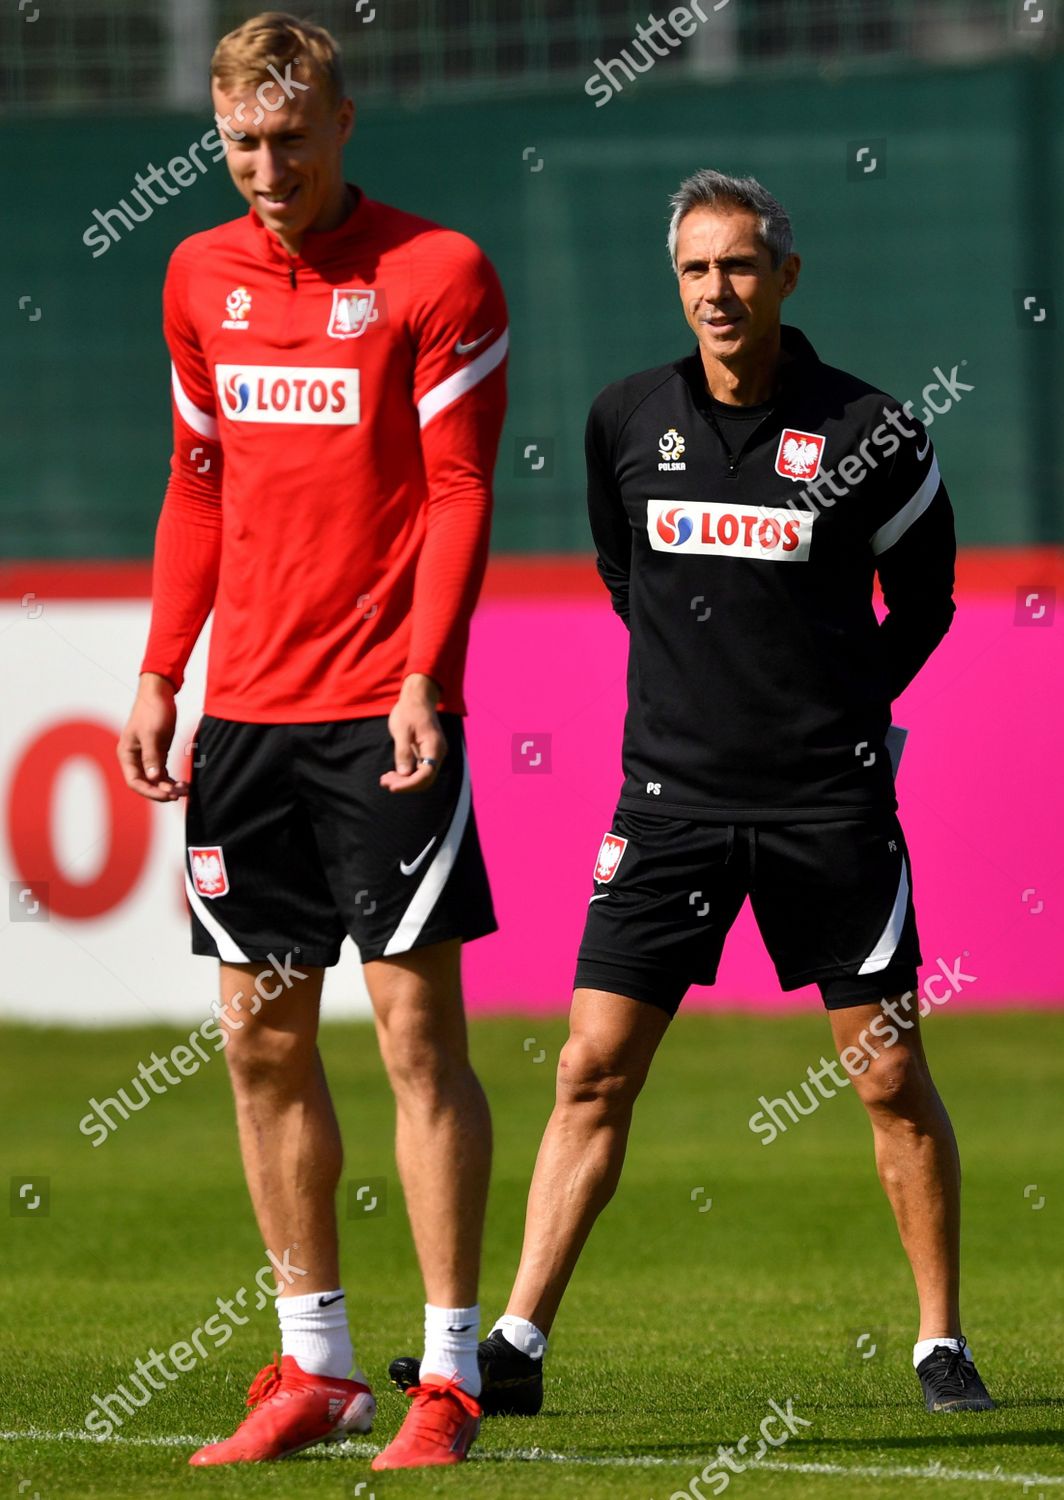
(800,357)
(320,246)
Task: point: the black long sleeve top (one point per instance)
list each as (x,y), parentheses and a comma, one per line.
(742,560)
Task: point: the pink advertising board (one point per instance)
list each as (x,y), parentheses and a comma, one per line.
(980,787)
(98,929)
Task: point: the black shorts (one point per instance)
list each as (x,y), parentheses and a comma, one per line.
(833,902)
(293,844)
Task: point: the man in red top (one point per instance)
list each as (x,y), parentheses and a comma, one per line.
(338,392)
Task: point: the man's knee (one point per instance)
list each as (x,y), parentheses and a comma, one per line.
(423,1049)
(896,1083)
(421,1027)
(263,1055)
(590,1072)
(270,1033)
(418,1065)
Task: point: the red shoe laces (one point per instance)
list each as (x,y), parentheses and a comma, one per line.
(265,1384)
(433,1391)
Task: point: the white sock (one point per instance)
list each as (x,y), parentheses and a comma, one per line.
(314,1332)
(523,1335)
(451,1337)
(923,1347)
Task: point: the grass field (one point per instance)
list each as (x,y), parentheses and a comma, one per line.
(682,1324)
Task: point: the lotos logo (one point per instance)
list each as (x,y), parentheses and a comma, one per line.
(674,527)
(799,454)
(761,533)
(289,394)
(237,394)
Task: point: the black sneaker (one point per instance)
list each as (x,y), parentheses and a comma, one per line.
(951,1382)
(512,1382)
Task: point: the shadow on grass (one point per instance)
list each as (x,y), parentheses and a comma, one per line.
(950,1436)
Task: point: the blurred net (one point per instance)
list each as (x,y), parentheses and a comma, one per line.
(143,54)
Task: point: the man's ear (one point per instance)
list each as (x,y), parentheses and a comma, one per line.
(791,268)
(346,120)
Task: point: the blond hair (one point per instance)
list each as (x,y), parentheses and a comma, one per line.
(243,59)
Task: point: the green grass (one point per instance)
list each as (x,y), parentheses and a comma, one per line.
(679,1328)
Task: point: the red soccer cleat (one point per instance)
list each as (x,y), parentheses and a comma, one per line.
(291,1410)
(439,1428)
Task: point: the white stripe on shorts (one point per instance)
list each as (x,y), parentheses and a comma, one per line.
(228,951)
(436,876)
(890,937)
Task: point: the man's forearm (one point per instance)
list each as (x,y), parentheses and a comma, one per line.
(916,573)
(908,641)
(447,583)
(616,587)
(184,580)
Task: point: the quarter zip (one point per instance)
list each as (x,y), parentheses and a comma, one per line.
(290,306)
(694,376)
(735,458)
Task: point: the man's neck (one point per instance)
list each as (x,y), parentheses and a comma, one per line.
(339,207)
(747,383)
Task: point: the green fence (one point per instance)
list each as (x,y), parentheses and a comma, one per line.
(924,260)
(148,55)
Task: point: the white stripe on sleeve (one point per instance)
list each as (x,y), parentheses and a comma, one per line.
(463,380)
(200,421)
(911,511)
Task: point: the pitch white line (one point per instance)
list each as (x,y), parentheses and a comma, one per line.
(907,1471)
(79,1435)
(860,1471)
(352,1449)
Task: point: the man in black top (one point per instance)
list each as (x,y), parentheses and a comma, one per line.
(742,501)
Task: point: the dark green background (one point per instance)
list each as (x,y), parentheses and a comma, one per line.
(923,266)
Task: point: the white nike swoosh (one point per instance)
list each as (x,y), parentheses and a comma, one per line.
(922,452)
(461,348)
(408,869)
(599,898)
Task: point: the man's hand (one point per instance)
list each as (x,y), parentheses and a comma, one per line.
(419,743)
(145,741)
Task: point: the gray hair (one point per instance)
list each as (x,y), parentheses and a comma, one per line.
(706,188)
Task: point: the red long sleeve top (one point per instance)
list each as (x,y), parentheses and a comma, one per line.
(336,420)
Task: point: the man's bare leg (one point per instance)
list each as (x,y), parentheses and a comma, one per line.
(289,1138)
(916,1157)
(602,1068)
(290,1143)
(443,1127)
